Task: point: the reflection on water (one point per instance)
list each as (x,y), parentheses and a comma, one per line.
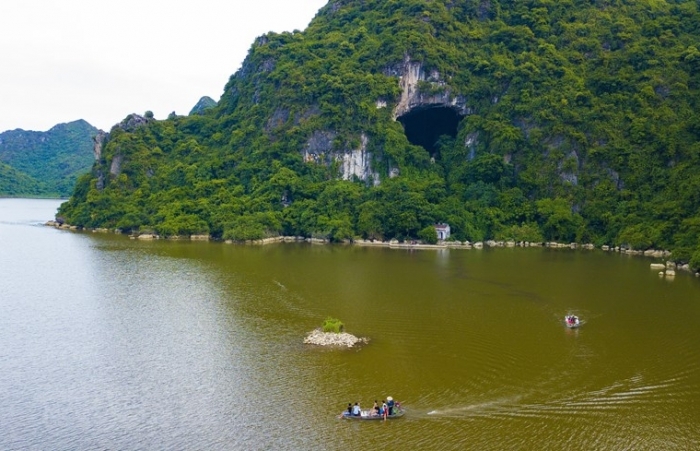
(110,343)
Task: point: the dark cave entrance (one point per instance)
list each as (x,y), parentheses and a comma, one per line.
(423,126)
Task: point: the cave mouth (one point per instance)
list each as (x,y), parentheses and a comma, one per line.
(424,126)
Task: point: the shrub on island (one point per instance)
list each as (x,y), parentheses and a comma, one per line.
(332,325)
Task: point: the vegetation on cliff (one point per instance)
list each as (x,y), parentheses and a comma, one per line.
(574,121)
(45,163)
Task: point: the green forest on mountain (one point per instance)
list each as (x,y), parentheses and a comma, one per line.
(582,126)
(16,183)
(45,164)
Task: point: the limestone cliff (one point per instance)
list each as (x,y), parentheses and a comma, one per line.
(420,90)
(353,163)
(570,121)
(115,158)
(357,163)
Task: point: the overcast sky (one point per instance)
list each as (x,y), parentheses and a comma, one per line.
(100,60)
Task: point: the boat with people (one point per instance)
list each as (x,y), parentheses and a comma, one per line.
(572,321)
(367,415)
(388,410)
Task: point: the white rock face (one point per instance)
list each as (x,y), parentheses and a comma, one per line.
(357,163)
(353,163)
(98,142)
(411,73)
(116,166)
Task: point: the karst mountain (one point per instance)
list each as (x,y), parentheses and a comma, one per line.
(526,120)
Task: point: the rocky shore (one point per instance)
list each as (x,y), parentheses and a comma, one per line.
(395,244)
(320,338)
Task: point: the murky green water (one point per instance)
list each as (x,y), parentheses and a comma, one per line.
(110,343)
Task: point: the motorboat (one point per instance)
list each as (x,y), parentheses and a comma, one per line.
(572,321)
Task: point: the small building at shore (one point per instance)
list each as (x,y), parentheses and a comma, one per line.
(443,231)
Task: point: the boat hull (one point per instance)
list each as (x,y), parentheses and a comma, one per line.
(366,417)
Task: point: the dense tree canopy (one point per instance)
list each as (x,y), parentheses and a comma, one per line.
(581,126)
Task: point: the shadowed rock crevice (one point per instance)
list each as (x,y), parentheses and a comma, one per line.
(424,126)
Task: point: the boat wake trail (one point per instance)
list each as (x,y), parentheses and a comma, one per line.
(290,300)
(476,409)
(627,395)
(279,284)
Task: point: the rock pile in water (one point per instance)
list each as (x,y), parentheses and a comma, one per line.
(318,337)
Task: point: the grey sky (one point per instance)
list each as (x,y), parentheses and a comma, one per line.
(99,60)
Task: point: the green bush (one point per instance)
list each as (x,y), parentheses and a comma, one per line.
(695,260)
(333,325)
(523,232)
(428,235)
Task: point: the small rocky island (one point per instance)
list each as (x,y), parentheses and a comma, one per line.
(321,338)
(332,334)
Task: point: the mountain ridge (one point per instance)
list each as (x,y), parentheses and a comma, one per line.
(46,163)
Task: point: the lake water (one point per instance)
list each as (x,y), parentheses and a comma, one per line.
(112,343)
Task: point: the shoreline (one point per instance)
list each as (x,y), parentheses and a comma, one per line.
(413,245)
(34,197)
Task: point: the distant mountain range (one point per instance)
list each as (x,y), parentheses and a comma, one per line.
(45,163)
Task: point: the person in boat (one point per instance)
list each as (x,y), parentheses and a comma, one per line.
(375,409)
(390,404)
(356,411)
(385,409)
(349,410)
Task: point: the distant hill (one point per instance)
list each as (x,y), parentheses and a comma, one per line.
(45,163)
(16,183)
(205,103)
